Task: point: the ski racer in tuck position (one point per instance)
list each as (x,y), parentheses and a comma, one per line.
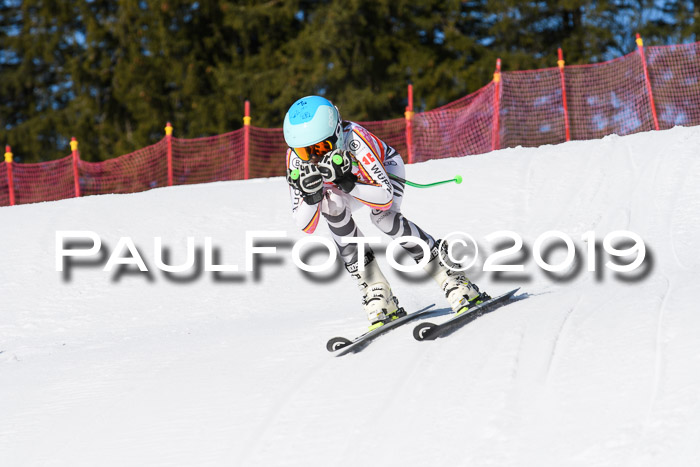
(336,166)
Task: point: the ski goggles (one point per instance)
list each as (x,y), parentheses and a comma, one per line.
(318,149)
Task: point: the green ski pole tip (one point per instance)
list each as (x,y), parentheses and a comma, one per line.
(337,159)
(458,179)
(295,174)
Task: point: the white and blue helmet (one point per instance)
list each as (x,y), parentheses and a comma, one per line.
(313,121)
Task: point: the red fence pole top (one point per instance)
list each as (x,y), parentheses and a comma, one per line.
(169,153)
(246,113)
(640,47)
(408,115)
(409,108)
(495,143)
(76,156)
(565,106)
(10,179)
(246,140)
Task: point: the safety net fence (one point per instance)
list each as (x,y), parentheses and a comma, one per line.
(652,88)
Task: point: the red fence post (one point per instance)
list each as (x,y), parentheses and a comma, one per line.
(10,179)
(409,124)
(169,139)
(496,105)
(640,47)
(561,62)
(76,157)
(246,141)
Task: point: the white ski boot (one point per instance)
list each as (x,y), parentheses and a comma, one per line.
(460,292)
(377,300)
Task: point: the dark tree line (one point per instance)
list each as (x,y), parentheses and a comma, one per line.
(112,73)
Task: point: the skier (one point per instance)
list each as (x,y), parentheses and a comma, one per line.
(336,166)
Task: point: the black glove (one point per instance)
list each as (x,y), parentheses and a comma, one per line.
(336,167)
(309,181)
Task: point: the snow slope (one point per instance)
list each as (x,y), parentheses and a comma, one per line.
(590,369)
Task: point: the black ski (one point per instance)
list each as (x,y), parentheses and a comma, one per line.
(345,346)
(429,331)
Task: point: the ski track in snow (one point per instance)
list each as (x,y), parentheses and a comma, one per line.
(658,356)
(552,361)
(273,415)
(586,370)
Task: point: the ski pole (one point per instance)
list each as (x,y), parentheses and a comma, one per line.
(457,180)
(338,160)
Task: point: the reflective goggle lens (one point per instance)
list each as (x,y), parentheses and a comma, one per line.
(317,149)
(303,153)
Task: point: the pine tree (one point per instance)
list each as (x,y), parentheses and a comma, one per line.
(112,73)
(37,39)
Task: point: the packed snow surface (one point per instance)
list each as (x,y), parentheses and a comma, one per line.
(589,368)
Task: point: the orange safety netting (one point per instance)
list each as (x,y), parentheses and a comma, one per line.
(267,152)
(674,73)
(608,98)
(44,181)
(531,108)
(202,160)
(457,129)
(139,171)
(601,99)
